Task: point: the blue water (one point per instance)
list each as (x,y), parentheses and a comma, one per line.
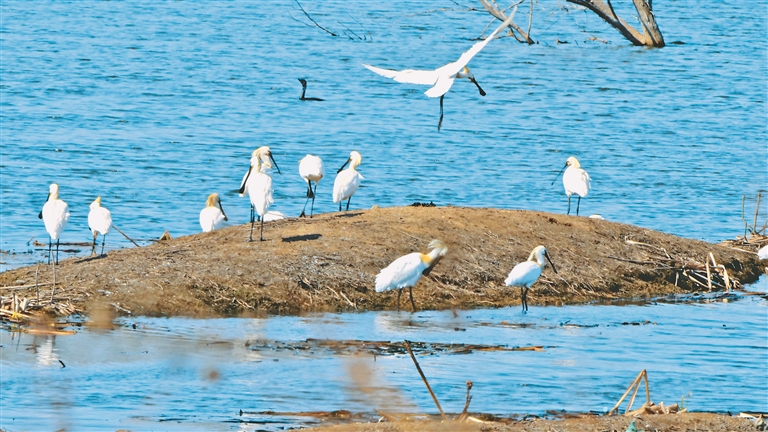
(155,105)
(709,356)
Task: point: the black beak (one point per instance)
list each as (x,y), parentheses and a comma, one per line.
(222,211)
(245,180)
(550,262)
(273,161)
(431,266)
(40,215)
(558,175)
(474,81)
(342,167)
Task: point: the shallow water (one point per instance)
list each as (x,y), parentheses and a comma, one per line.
(188,374)
(154,106)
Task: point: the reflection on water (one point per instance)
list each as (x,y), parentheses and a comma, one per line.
(200,374)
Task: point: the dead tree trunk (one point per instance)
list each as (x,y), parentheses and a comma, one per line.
(651,36)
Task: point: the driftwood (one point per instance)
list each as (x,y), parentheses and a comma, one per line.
(648,407)
(650,36)
(497,12)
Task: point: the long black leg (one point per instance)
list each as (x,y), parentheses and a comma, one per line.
(50,243)
(312,209)
(340,205)
(440,122)
(93,245)
(261,235)
(103,240)
(569,204)
(57,250)
(413,305)
(578,203)
(303,214)
(524,301)
(350,199)
(399,292)
(250,238)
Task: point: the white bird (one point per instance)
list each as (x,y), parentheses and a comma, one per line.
(347,180)
(575,180)
(257,183)
(311,170)
(212,217)
(762,254)
(441,79)
(55,215)
(100,221)
(526,273)
(408,269)
(273,215)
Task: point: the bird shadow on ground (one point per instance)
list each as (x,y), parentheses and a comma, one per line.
(305,237)
(349,214)
(92,258)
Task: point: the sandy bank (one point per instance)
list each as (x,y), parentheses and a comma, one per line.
(329,263)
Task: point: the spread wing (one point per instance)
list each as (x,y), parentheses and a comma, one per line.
(409,76)
(455,67)
(442,86)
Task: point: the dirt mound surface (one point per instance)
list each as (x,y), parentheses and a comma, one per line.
(329,263)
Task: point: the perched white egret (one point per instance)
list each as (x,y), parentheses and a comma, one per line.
(347,180)
(575,180)
(311,170)
(304,91)
(257,183)
(212,217)
(100,221)
(441,79)
(526,273)
(55,215)
(408,269)
(762,254)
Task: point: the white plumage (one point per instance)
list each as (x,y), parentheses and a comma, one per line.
(311,170)
(527,273)
(575,181)
(406,271)
(347,180)
(212,217)
(100,221)
(55,215)
(442,78)
(257,183)
(762,254)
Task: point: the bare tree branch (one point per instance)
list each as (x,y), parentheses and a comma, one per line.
(310,18)
(499,14)
(651,36)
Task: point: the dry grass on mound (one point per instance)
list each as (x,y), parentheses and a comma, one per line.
(329,263)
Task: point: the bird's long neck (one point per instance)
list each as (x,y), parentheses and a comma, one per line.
(537,258)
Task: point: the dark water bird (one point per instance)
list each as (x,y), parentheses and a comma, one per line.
(304,91)
(442,78)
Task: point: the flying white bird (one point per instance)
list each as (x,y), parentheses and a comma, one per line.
(55,215)
(311,170)
(304,91)
(526,273)
(441,79)
(405,271)
(100,221)
(575,180)
(347,180)
(257,183)
(212,217)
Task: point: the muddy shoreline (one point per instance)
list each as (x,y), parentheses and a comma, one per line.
(329,263)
